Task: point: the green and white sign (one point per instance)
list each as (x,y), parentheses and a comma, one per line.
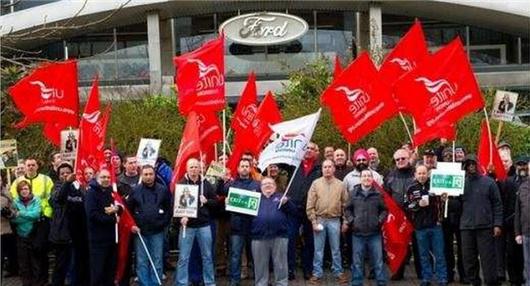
(243,201)
(448,180)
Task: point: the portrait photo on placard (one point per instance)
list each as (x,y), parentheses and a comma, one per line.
(504,105)
(186,201)
(8,153)
(148,151)
(69,144)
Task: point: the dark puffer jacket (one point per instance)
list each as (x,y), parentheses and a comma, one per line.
(240,223)
(365,214)
(397,183)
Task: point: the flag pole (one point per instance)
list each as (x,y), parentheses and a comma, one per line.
(150,259)
(349,151)
(406,127)
(224,139)
(454,148)
(489,135)
(499,129)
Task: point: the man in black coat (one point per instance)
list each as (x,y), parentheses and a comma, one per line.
(480,222)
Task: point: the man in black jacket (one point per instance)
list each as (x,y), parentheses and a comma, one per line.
(101,217)
(308,171)
(396,183)
(480,222)
(150,205)
(198,227)
(522,223)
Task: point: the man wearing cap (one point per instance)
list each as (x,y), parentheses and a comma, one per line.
(429,159)
(480,223)
(509,253)
(522,223)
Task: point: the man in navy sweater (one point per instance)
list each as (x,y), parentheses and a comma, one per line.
(240,223)
(150,205)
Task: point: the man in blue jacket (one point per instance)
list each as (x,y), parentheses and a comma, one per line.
(240,223)
(150,205)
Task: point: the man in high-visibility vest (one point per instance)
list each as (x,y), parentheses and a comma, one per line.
(41,186)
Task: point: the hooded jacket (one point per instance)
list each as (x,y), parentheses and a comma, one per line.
(481,202)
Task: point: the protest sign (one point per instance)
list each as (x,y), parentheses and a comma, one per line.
(148,151)
(69,140)
(9,154)
(243,201)
(186,201)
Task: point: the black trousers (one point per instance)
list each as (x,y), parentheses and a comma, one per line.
(475,243)
(80,256)
(509,256)
(63,254)
(102,264)
(9,252)
(29,262)
(451,232)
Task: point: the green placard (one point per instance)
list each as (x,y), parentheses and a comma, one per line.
(243,201)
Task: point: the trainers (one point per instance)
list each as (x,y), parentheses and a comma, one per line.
(342,278)
(314,280)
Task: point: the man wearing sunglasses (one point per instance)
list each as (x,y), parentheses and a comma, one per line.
(396,184)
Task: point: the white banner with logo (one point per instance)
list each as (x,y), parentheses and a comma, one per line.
(289,147)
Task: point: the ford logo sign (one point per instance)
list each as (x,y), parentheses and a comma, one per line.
(262,29)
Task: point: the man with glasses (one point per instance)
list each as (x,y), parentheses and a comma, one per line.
(396,184)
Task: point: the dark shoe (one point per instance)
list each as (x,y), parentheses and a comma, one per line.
(396,277)
(307,276)
(425,284)
(465,281)
(10,274)
(292,276)
(343,279)
(442,284)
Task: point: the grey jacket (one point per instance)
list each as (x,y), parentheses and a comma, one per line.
(365,214)
(481,204)
(522,209)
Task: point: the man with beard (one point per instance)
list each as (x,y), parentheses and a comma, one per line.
(341,168)
(374,162)
(329,152)
(396,184)
(308,171)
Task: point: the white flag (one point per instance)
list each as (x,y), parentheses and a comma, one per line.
(293,137)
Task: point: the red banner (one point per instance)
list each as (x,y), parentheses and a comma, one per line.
(359,102)
(189,146)
(484,158)
(247,106)
(202,86)
(443,86)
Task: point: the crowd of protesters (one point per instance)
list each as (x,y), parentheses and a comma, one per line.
(329,213)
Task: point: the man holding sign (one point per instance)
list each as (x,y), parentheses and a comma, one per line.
(198,227)
(240,223)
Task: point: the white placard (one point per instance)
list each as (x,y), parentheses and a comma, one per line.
(186,201)
(9,153)
(504,105)
(243,201)
(148,151)
(449,181)
(69,144)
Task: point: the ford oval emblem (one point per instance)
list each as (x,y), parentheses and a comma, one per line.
(263,29)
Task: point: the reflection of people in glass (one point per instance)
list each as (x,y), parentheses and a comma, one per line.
(505,105)
(71,143)
(148,151)
(186,199)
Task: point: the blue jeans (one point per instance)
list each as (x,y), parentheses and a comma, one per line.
(295,222)
(332,231)
(431,240)
(155,246)
(195,262)
(204,237)
(373,244)
(237,242)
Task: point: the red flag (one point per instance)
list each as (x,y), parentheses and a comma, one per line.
(484,158)
(338,68)
(210,130)
(358,100)
(444,88)
(52,132)
(405,56)
(422,136)
(49,95)
(203,86)
(247,106)
(397,231)
(189,146)
(92,132)
(254,137)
